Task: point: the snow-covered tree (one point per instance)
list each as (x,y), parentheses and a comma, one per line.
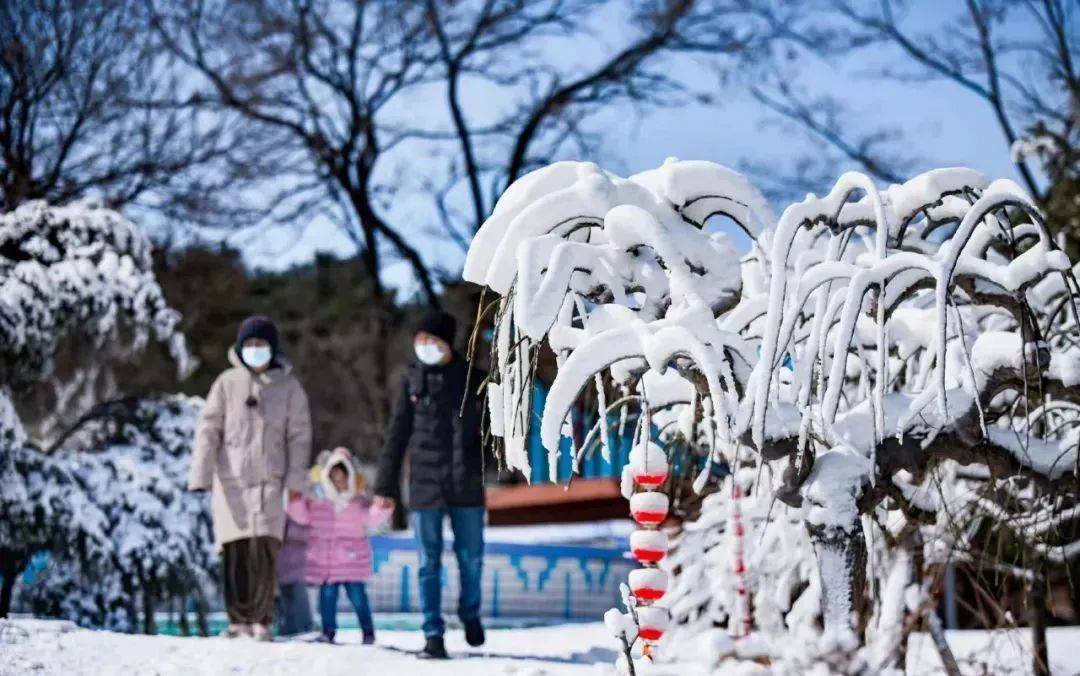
(872,342)
(159,546)
(43,507)
(79,272)
(78,269)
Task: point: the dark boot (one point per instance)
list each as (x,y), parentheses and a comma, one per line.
(369,637)
(434,649)
(474,632)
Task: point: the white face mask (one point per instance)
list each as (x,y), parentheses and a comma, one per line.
(256,356)
(429,353)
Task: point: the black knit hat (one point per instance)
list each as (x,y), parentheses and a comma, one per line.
(440,324)
(258,326)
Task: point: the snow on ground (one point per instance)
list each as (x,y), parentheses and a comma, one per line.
(58,647)
(1002,653)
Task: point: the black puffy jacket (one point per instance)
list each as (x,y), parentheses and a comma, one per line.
(444,448)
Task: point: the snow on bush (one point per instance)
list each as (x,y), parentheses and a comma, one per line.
(78,268)
(872,342)
(83,271)
(152,539)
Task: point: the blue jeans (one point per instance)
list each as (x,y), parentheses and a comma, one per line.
(328,596)
(294,609)
(467,524)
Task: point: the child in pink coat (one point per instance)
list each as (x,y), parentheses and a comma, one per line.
(339,552)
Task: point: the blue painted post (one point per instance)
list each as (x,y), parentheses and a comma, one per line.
(495,594)
(568,597)
(405,589)
(951,616)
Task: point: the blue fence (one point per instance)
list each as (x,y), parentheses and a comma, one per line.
(519,580)
(564,581)
(595,466)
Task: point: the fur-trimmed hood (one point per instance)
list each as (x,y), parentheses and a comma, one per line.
(327,461)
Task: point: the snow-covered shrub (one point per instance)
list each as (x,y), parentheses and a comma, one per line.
(82,269)
(80,272)
(870,342)
(133,471)
(43,507)
(780,576)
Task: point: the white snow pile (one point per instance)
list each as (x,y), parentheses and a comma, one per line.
(880,356)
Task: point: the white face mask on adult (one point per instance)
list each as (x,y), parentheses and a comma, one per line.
(256,356)
(429,353)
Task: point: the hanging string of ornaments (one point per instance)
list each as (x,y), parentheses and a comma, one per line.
(648,467)
(643,625)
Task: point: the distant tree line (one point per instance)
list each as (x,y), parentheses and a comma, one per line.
(325,311)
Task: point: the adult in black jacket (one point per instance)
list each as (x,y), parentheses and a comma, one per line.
(436,423)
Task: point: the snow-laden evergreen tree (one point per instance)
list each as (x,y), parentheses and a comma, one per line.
(82,270)
(891,349)
(43,507)
(79,272)
(133,469)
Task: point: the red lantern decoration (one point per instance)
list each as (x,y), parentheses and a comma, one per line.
(649,509)
(648,465)
(648,584)
(648,546)
(652,623)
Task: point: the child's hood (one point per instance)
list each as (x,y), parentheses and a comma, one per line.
(341,458)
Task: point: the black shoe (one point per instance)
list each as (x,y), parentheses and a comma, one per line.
(474,633)
(434,649)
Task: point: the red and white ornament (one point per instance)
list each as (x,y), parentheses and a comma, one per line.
(648,546)
(652,622)
(648,465)
(649,509)
(648,584)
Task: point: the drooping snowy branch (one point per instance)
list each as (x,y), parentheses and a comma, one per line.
(873,346)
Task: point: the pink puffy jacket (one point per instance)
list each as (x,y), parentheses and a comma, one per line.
(338,548)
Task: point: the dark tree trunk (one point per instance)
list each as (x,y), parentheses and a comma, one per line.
(841,555)
(182,619)
(200,614)
(149,603)
(11,564)
(1040,658)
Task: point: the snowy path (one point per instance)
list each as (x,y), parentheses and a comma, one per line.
(55,647)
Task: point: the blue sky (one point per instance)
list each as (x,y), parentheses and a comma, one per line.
(942,124)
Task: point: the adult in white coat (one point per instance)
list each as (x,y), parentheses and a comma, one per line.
(253,443)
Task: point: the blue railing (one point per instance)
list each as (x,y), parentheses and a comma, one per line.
(595,466)
(519,580)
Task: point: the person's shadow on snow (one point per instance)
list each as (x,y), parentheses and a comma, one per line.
(594,655)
